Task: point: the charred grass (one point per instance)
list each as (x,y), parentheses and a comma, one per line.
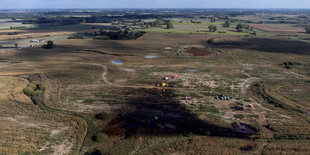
(153,117)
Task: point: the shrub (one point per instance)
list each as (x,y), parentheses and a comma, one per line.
(169,26)
(102,116)
(212,28)
(247,148)
(95,152)
(290,64)
(32,85)
(42,86)
(29,91)
(239,116)
(102,37)
(49,45)
(287,67)
(12,33)
(101,137)
(211,41)
(89,101)
(76,37)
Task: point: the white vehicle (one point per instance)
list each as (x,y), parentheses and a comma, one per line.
(34,41)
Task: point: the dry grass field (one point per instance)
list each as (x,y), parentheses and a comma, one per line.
(93,105)
(27,129)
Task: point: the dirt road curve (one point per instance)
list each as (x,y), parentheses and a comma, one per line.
(104,78)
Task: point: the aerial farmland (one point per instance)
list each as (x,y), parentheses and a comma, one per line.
(172,81)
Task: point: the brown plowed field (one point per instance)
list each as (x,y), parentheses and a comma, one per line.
(277,28)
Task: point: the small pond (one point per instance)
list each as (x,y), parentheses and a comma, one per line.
(152,56)
(118,62)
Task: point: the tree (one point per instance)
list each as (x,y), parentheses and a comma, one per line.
(158,22)
(16,45)
(49,45)
(240,27)
(147,25)
(308,29)
(212,28)
(212,19)
(169,26)
(226,24)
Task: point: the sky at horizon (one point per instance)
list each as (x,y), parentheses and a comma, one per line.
(18,4)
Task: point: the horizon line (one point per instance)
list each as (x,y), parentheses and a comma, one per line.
(154,8)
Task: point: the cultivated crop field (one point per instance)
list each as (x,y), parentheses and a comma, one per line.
(197,28)
(5,24)
(277,27)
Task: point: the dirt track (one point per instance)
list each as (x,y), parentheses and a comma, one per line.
(262,119)
(104,78)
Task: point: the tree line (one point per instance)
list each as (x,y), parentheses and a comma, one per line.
(160,23)
(307,29)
